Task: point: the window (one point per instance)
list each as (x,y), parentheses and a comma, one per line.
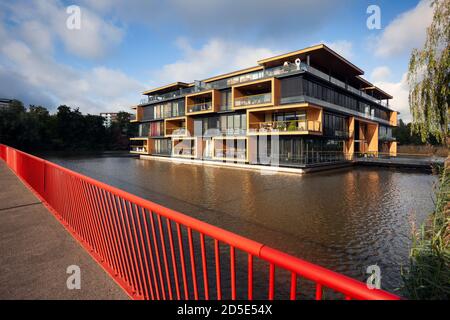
(335,125)
(144,129)
(234,124)
(225,100)
(162,146)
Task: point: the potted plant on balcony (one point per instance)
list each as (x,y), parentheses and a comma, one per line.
(292,126)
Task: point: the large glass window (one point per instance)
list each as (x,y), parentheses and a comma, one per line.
(162,146)
(225,100)
(164,110)
(300,151)
(144,129)
(384,132)
(335,125)
(233,124)
(204,126)
(298,86)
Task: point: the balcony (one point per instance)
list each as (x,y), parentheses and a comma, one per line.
(139,146)
(285,127)
(259,93)
(200,107)
(184,148)
(203,102)
(178,127)
(256,99)
(285,120)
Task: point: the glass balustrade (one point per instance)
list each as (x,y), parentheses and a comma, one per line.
(253,100)
(285,126)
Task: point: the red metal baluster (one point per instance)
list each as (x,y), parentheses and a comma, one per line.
(158,260)
(194,272)
(204,265)
(293,286)
(166,264)
(318,291)
(183,262)
(174,263)
(271,281)
(217,256)
(233,273)
(250,277)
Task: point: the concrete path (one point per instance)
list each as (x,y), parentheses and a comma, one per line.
(35,251)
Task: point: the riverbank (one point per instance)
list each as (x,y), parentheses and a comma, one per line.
(423,150)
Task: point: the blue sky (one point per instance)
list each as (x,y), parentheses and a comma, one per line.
(125,47)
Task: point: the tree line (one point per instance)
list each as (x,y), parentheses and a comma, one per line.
(405,135)
(35,128)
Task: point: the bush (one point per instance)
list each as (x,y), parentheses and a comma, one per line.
(428,276)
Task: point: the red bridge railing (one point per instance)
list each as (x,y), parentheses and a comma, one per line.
(157,253)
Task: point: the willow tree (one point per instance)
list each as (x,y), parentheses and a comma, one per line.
(429,78)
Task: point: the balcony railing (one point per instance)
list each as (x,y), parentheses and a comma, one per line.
(206,106)
(253,100)
(140,149)
(176,131)
(286,126)
(336,133)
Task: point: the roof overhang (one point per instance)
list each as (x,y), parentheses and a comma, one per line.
(167,88)
(377,93)
(320,56)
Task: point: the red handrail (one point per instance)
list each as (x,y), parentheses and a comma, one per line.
(127,236)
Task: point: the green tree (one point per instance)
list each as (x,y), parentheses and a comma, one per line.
(121,130)
(429,77)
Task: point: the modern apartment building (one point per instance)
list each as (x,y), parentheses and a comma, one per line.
(109,117)
(305,108)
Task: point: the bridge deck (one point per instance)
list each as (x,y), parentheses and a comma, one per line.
(35,251)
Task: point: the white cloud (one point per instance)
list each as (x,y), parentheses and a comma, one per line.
(30,72)
(44,21)
(343,47)
(215,57)
(400,91)
(406,31)
(380,74)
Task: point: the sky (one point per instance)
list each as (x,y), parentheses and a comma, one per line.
(125,47)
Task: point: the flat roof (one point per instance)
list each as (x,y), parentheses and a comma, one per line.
(234,73)
(320,55)
(168,88)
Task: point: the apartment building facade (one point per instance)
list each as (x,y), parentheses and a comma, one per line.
(109,118)
(305,108)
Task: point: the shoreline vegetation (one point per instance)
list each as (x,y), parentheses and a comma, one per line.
(35,129)
(428,274)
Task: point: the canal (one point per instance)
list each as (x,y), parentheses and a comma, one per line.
(345,220)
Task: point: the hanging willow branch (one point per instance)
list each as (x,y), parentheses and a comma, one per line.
(429,78)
